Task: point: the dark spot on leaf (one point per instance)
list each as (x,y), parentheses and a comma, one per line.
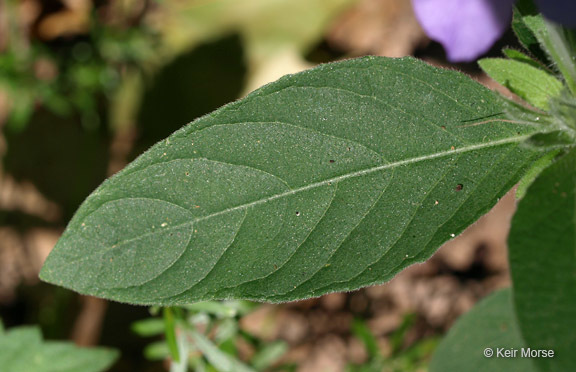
(275,267)
(459,187)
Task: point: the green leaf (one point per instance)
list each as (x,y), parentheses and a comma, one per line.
(490,326)
(532,84)
(558,43)
(536,168)
(221,361)
(525,31)
(158,350)
(521,57)
(328,180)
(170,327)
(362,331)
(542,255)
(268,355)
(149,327)
(23,350)
(563,109)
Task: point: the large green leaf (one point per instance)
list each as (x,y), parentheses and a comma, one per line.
(328,180)
(479,340)
(23,350)
(543,264)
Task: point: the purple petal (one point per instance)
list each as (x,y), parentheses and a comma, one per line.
(559,11)
(466,28)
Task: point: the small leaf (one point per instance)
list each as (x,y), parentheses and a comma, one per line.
(149,327)
(328,180)
(23,350)
(362,331)
(158,350)
(472,344)
(268,355)
(221,361)
(534,85)
(525,31)
(543,264)
(521,57)
(170,330)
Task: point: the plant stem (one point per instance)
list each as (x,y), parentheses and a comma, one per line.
(170,332)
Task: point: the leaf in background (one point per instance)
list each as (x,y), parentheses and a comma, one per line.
(219,359)
(148,327)
(558,43)
(157,351)
(532,84)
(524,10)
(521,57)
(276,34)
(328,180)
(23,350)
(269,354)
(490,324)
(542,246)
(264,24)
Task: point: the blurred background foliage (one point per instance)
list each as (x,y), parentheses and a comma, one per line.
(88,85)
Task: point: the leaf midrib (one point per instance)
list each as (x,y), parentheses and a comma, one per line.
(365,171)
(343,177)
(337,179)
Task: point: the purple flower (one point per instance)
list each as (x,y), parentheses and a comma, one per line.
(468,28)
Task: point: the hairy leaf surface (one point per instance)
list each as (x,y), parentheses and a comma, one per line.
(533,84)
(328,180)
(543,264)
(478,340)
